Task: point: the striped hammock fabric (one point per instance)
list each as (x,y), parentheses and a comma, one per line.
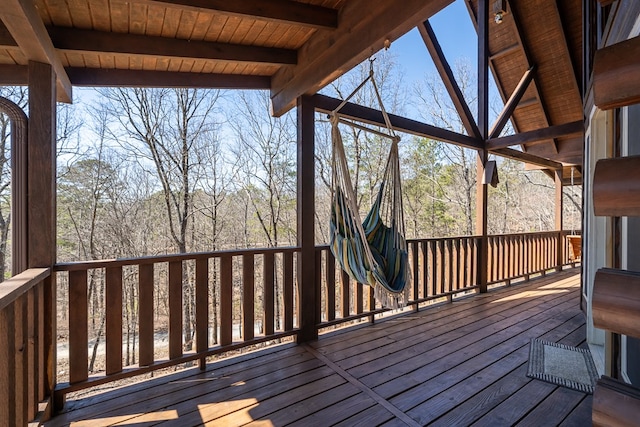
(374,251)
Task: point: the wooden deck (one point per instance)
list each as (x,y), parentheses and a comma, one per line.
(463,363)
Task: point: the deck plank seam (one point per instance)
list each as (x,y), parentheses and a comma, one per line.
(372,394)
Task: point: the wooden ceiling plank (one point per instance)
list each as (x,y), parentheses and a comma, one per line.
(364,27)
(512,103)
(14,75)
(504,52)
(374,117)
(284,11)
(140,78)
(442,65)
(510,153)
(69,39)
(23,22)
(565,53)
(544,134)
(527,103)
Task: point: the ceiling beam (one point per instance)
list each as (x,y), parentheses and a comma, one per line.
(512,103)
(14,75)
(368,115)
(544,134)
(521,156)
(430,40)
(140,78)
(69,39)
(364,28)
(281,11)
(26,28)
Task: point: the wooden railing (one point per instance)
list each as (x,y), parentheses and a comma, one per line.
(26,347)
(254,293)
(224,279)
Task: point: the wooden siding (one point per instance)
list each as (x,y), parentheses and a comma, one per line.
(455,364)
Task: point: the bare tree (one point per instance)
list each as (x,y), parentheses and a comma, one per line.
(169,126)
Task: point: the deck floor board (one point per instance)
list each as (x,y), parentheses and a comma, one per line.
(460,363)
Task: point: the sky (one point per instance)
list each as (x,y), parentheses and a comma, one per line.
(455,33)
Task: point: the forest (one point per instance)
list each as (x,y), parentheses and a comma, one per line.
(160,171)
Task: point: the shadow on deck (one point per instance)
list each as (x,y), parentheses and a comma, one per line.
(463,363)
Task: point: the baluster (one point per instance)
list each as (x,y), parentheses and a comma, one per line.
(451,265)
(344,284)
(78,334)
(202,308)
(33,368)
(7,367)
(268,267)
(415,262)
(425,269)
(288,290)
(20,360)
(248,296)
(226,300)
(145,312)
(318,285)
(113,332)
(175,309)
(330,273)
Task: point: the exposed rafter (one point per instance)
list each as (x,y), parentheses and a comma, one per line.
(69,39)
(430,40)
(26,28)
(512,103)
(374,117)
(521,156)
(327,55)
(544,134)
(283,11)
(140,78)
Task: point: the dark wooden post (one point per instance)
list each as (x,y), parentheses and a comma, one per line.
(483,127)
(41,201)
(559,219)
(306,220)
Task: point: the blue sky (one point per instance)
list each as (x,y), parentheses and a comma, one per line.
(455,33)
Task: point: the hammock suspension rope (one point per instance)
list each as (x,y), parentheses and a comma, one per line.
(373,251)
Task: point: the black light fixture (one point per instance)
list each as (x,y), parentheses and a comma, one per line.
(499,10)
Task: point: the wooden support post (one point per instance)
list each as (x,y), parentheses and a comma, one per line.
(306,217)
(41,202)
(483,127)
(559,224)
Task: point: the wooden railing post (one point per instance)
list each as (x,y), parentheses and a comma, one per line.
(483,127)
(306,217)
(41,207)
(559,225)
(482,260)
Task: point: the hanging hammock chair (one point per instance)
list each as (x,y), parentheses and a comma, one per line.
(374,251)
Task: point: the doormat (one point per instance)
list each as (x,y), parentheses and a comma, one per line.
(562,365)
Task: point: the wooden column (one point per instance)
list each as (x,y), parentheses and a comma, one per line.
(306,217)
(483,127)
(41,199)
(559,224)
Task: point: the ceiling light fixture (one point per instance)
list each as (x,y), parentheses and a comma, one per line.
(499,10)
